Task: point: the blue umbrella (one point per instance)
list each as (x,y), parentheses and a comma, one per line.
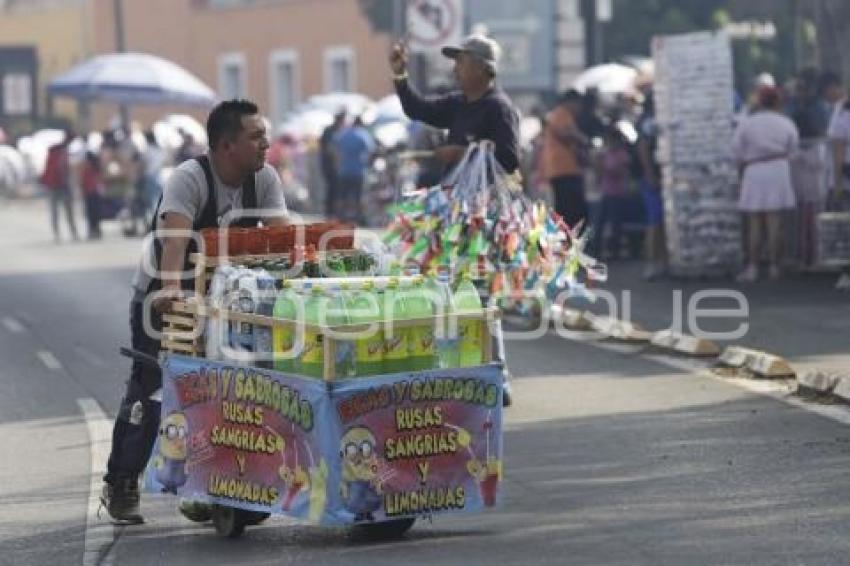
(132,78)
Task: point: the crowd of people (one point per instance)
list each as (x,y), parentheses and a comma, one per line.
(599,168)
(117,174)
(790,143)
(595,162)
(346,153)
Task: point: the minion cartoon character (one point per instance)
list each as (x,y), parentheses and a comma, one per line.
(170,462)
(360,487)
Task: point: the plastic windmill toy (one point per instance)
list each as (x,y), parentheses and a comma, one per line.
(479,221)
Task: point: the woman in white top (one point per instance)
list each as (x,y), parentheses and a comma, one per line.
(763,144)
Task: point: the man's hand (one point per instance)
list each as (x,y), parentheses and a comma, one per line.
(166,297)
(449,154)
(398,58)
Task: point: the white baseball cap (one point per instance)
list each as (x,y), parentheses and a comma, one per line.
(484,48)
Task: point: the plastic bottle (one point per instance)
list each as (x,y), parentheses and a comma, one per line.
(264,305)
(242,295)
(339,300)
(366,308)
(422,349)
(396,354)
(446,339)
(312,356)
(470,332)
(216,332)
(283,337)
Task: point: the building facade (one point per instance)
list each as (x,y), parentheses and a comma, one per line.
(275,52)
(38,39)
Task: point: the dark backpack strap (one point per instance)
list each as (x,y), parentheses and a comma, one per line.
(249,202)
(155,284)
(209,216)
(207,219)
(249,192)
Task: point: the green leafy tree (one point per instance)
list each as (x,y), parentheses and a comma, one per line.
(635,22)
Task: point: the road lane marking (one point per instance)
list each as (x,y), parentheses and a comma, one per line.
(12,325)
(779,390)
(782,391)
(89,357)
(100,533)
(49,360)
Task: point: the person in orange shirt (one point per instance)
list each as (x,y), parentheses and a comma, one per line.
(564,155)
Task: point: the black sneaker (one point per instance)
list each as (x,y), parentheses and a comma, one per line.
(507,393)
(121,500)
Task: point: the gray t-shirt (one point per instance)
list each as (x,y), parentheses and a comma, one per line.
(186,193)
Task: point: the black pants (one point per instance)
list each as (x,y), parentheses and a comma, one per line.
(132,443)
(570,201)
(93,215)
(331,190)
(351,194)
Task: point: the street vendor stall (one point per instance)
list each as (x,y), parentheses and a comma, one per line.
(373,424)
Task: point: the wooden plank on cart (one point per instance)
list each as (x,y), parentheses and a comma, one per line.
(329,359)
(179,347)
(180,335)
(177,320)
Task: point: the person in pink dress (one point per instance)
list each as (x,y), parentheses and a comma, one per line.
(762,145)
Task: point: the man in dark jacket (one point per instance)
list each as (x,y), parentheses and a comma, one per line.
(480,111)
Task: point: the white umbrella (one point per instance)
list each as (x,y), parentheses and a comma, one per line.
(354,104)
(391,134)
(309,123)
(389,109)
(189,125)
(34,148)
(609,79)
(132,78)
(12,168)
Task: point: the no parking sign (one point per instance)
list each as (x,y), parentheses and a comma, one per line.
(434,23)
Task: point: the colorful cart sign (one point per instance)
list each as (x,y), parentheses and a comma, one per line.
(355,450)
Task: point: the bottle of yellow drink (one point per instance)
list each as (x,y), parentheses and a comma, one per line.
(283,337)
(470,332)
(422,349)
(365,308)
(396,352)
(312,356)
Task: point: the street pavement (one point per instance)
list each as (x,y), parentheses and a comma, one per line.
(615,454)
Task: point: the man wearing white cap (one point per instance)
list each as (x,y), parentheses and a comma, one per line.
(480,111)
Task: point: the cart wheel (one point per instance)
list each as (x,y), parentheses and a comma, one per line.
(228,521)
(384,530)
(255,517)
(196,511)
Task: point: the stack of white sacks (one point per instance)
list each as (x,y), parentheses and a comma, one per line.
(693,97)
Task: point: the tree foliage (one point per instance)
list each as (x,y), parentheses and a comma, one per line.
(637,21)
